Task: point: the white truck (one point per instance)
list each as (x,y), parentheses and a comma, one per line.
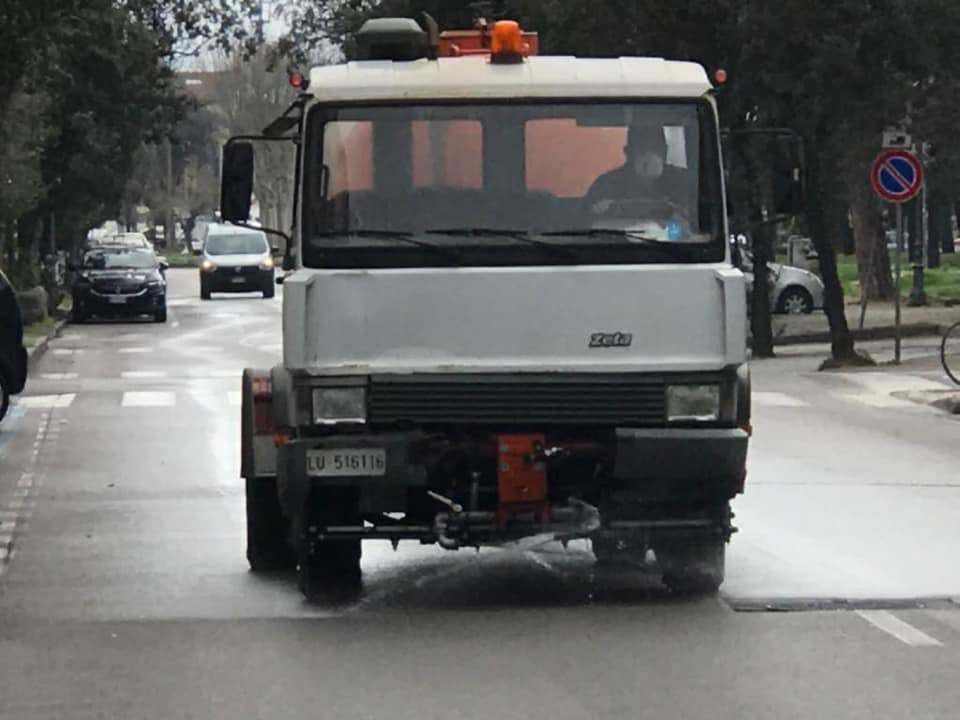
(501,317)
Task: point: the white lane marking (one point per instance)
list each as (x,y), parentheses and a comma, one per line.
(877,389)
(148,399)
(228,373)
(950,618)
(777,399)
(59,376)
(4,554)
(47,401)
(134,350)
(67,351)
(143,374)
(235,398)
(902,631)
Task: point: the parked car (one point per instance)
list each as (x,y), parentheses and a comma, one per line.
(793,290)
(236,259)
(13,355)
(120,282)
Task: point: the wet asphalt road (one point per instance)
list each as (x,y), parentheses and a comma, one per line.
(124,591)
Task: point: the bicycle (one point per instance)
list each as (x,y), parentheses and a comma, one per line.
(950,352)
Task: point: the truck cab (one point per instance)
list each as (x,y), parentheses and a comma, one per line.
(509,310)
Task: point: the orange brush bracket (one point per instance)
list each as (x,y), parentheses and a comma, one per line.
(521,475)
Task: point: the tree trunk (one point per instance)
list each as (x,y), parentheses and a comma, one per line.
(841,341)
(873,262)
(941,230)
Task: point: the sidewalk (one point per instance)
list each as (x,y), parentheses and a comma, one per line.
(36,337)
(878,323)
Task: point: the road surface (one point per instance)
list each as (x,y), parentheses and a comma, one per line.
(124,592)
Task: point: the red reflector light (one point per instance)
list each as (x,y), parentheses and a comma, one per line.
(298,81)
(262,387)
(720,76)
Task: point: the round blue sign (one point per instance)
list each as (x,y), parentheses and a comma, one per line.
(896,175)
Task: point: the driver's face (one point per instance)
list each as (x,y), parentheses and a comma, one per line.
(647,163)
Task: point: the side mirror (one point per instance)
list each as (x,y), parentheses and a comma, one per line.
(236,184)
(279,279)
(163,263)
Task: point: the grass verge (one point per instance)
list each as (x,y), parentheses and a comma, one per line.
(941,284)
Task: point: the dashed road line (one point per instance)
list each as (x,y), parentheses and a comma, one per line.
(47,401)
(134,350)
(900,629)
(148,399)
(58,376)
(143,374)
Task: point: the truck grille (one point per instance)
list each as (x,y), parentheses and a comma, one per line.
(518,399)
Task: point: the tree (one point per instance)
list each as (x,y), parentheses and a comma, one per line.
(248,96)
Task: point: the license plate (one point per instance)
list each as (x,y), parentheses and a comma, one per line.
(370,462)
(237,280)
(117,299)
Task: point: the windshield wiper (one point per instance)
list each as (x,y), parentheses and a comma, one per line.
(520,235)
(631,235)
(401,235)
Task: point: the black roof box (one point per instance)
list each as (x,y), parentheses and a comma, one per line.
(400,39)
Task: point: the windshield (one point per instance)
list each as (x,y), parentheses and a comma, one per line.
(499,183)
(110,258)
(239,244)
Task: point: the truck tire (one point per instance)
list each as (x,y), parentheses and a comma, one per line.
(694,566)
(268,532)
(328,569)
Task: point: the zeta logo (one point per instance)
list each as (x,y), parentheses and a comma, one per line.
(611,340)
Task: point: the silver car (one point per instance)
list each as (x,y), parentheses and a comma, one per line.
(793,290)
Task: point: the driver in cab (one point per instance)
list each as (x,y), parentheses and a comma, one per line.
(644,183)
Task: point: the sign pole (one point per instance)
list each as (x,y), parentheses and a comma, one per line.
(896,285)
(897,177)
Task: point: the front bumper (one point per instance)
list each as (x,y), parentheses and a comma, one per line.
(146,301)
(240,279)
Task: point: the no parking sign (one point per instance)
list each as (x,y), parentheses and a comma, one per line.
(896,175)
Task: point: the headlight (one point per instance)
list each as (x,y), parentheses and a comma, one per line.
(342,404)
(208,266)
(698,403)
(267,263)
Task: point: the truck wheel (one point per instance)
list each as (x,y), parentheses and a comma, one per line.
(328,569)
(268,548)
(695,567)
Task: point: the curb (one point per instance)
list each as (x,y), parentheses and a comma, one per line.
(35,352)
(885,332)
